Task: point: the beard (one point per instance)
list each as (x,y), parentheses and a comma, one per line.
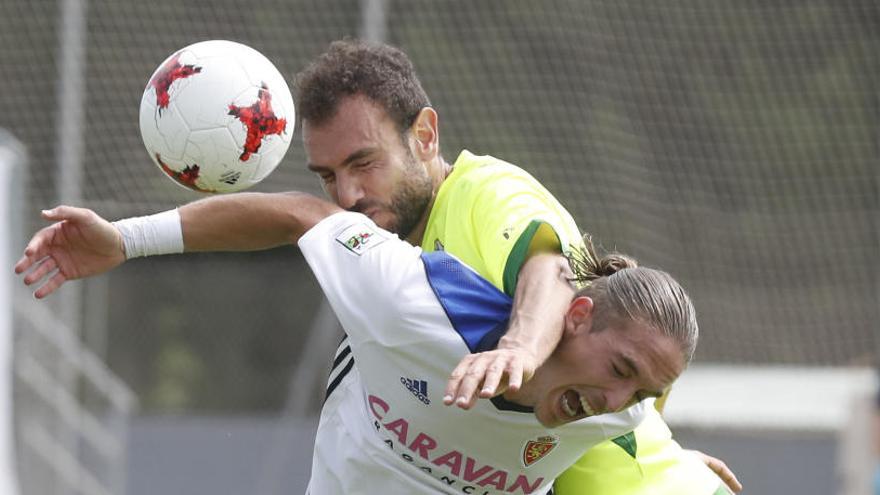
(409,201)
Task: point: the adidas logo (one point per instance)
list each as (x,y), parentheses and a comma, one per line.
(419,388)
(230,177)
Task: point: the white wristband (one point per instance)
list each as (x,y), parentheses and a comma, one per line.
(154,234)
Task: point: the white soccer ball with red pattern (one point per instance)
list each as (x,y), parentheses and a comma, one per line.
(217,116)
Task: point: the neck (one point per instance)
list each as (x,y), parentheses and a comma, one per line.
(438,170)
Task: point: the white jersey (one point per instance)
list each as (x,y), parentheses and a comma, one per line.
(410,318)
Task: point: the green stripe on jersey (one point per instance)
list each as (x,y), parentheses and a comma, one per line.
(628,443)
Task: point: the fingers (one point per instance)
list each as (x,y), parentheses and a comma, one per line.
(456,386)
(36,257)
(43,267)
(50,286)
(36,250)
(23,264)
(727,476)
(493,377)
(64,212)
(515,374)
(484,375)
(720,468)
(480,380)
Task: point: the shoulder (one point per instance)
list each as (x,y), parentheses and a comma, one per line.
(349,234)
(471,168)
(484,178)
(349,254)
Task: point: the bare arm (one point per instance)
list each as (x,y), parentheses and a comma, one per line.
(542,296)
(81,244)
(250,221)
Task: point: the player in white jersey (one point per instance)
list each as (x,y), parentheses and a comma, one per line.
(410,316)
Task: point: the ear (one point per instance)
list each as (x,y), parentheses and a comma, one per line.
(426,134)
(579,317)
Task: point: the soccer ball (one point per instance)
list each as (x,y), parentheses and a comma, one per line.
(217,116)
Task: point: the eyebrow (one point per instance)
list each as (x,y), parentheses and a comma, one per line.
(635,371)
(355,156)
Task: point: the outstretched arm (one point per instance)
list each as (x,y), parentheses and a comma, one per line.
(250,221)
(542,296)
(81,244)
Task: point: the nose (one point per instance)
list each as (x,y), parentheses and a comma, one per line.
(348,191)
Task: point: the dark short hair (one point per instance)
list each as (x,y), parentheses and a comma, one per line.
(382,73)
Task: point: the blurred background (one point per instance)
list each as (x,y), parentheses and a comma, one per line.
(733,144)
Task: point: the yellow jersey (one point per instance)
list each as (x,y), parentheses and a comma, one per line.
(491,215)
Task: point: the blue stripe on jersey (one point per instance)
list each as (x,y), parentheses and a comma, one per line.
(478,311)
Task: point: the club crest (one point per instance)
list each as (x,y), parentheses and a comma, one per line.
(535,450)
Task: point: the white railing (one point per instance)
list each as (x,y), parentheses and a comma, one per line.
(71,410)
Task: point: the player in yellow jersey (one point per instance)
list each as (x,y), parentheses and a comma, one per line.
(492,215)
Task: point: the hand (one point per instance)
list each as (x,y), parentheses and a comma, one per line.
(720,468)
(487,374)
(79,244)
(542,297)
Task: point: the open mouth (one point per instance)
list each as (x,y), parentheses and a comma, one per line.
(574,405)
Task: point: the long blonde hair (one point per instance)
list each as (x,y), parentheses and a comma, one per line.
(622,290)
